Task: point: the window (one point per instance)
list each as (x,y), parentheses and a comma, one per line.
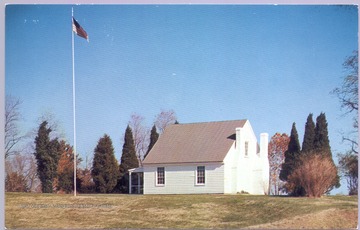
(246,148)
(160,180)
(200,175)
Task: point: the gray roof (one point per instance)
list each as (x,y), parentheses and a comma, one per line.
(194,143)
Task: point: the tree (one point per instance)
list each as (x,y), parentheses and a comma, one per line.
(154,136)
(12,117)
(321,140)
(348,91)
(64,181)
(348,165)
(291,162)
(322,143)
(315,173)
(140,135)
(15,182)
(87,184)
(164,119)
(128,160)
(105,171)
(22,165)
(277,148)
(309,134)
(292,150)
(348,96)
(47,155)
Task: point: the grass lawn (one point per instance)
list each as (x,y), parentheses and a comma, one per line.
(26,210)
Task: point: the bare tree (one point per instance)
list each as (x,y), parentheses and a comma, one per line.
(165,118)
(15,182)
(87,184)
(140,135)
(348,166)
(348,95)
(12,117)
(21,168)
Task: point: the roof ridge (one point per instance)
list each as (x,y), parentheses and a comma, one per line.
(204,122)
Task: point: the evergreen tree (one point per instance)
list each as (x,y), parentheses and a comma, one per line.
(309,134)
(290,154)
(47,154)
(322,143)
(154,136)
(128,160)
(105,171)
(291,162)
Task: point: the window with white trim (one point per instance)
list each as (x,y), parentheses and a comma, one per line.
(160,176)
(200,175)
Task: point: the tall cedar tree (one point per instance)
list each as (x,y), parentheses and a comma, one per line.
(291,162)
(290,154)
(309,134)
(47,154)
(321,134)
(154,136)
(322,143)
(105,170)
(128,160)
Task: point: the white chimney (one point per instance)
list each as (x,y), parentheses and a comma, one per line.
(238,137)
(264,142)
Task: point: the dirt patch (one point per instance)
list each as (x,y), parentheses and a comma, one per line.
(326,219)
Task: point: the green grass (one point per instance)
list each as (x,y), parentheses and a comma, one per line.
(24,210)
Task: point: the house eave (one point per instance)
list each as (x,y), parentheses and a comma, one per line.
(183,163)
(136,170)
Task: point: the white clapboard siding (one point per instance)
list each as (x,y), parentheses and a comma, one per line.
(181,179)
(244,165)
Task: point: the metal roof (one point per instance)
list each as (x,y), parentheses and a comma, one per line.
(194,143)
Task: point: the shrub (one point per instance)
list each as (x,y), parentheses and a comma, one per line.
(15,182)
(316,173)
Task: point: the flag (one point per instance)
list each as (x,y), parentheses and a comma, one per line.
(79,30)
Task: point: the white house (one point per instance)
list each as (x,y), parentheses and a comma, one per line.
(209,157)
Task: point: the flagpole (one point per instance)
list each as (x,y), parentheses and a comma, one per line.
(74,111)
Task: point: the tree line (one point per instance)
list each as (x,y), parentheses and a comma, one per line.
(52,160)
(303,171)
(310,170)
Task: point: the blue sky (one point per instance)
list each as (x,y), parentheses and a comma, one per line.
(270,64)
